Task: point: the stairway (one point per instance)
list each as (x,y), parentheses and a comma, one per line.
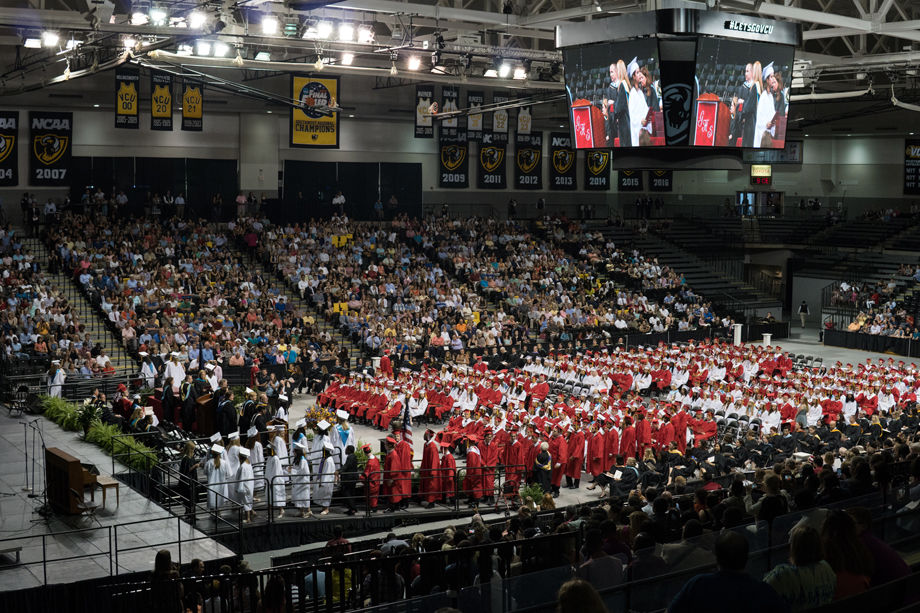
(88,315)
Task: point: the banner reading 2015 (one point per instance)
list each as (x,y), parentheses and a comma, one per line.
(313,124)
(51,136)
(127,97)
(9,155)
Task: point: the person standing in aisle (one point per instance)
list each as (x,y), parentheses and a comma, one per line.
(803,312)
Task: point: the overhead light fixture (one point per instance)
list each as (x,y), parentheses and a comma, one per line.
(158,16)
(73,43)
(393,70)
(196,20)
(318,64)
(263,56)
(139,19)
(129,42)
(32,43)
(203,47)
(860,75)
(291,26)
(348,58)
(414,62)
(184,50)
(50,39)
(520,73)
(491,73)
(269,25)
(324,29)
(365,35)
(504,69)
(346,32)
(95,106)
(221,49)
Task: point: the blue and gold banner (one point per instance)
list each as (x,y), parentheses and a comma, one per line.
(313,124)
(192,107)
(528,161)
(561,162)
(161,113)
(9,153)
(492,152)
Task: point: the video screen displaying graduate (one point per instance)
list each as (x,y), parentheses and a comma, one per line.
(614,94)
(742,93)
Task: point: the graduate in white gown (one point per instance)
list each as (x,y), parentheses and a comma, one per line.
(244,485)
(300,479)
(277,497)
(218,475)
(320,439)
(638,104)
(256,458)
(326,479)
(766,105)
(280,446)
(233,452)
(343,436)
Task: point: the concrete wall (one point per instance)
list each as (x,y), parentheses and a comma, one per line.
(809,290)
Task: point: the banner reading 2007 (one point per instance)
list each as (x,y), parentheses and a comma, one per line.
(127,97)
(313,125)
(51,140)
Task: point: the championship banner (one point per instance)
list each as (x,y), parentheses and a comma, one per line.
(629,180)
(424,122)
(313,125)
(450,104)
(492,151)
(597,169)
(528,161)
(454,169)
(561,162)
(51,135)
(500,117)
(192,107)
(127,97)
(9,154)
(161,114)
(474,121)
(661,180)
(524,120)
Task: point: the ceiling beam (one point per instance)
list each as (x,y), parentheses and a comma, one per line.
(434,12)
(807,15)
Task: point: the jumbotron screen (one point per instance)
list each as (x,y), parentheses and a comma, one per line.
(742,97)
(614,94)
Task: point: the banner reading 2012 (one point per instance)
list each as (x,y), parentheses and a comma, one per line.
(9,154)
(313,124)
(51,136)
(528,161)
(127,97)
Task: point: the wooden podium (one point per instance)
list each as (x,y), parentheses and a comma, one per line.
(205,415)
(63,473)
(713,121)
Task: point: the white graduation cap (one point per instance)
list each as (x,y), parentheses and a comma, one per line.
(233,435)
(244,452)
(143,354)
(277,428)
(768,70)
(282,398)
(55,361)
(209,367)
(633,66)
(215,437)
(323,425)
(137,396)
(249,390)
(217,449)
(148,410)
(253,431)
(301,444)
(328,445)
(175,354)
(301,423)
(342,414)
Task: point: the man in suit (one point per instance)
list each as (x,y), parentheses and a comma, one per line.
(348,475)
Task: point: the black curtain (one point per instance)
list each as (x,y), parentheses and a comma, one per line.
(308,190)
(358,183)
(81,169)
(405,182)
(205,179)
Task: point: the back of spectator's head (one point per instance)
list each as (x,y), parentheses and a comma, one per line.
(731,551)
(692,529)
(643,541)
(338,531)
(660,505)
(733,516)
(805,546)
(862,517)
(579,596)
(594,541)
(772,484)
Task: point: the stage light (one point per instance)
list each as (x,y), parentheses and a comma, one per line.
(263,56)
(348,58)
(318,64)
(491,73)
(129,42)
(520,73)
(414,62)
(221,49)
(196,20)
(32,43)
(50,39)
(365,35)
(202,47)
(139,19)
(504,69)
(346,32)
(393,70)
(184,50)
(324,29)
(73,43)
(158,16)
(291,26)
(269,25)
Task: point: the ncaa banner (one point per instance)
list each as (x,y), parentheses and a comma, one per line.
(9,153)
(192,107)
(524,120)
(474,121)
(597,169)
(51,137)
(424,122)
(454,169)
(629,180)
(127,97)
(500,117)
(450,104)
(161,115)
(528,161)
(313,125)
(492,150)
(661,180)
(561,162)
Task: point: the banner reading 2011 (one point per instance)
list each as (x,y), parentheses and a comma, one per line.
(192,107)
(9,154)
(127,97)
(313,125)
(528,161)
(51,136)
(161,113)
(492,150)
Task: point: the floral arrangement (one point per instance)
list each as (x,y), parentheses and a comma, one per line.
(316,414)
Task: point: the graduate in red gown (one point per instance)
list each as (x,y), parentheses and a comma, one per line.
(446,473)
(628,440)
(428,471)
(391,476)
(576,459)
(597,455)
(473,481)
(643,434)
(404,449)
(372,477)
(559,452)
(386,367)
(489,450)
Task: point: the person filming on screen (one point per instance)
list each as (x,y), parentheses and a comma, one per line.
(616,106)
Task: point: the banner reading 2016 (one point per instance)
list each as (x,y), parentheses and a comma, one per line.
(492,150)
(9,154)
(127,97)
(51,139)
(528,161)
(313,125)
(161,114)
(192,107)
(454,169)
(561,162)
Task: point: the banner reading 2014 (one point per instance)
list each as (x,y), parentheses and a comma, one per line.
(528,161)
(127,97)
(51,140)
(9,154)
(313,124)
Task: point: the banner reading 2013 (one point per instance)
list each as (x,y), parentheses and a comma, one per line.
(127,97)
(161,113)
(51,140)
(528,161)
(9,154)
(561,162)
(313,125)
(192,107)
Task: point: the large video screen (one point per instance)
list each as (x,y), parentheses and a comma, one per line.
(614,94)
(742,93)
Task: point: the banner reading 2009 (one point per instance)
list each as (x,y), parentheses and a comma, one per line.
(51,136)
(313,125)
(454,167)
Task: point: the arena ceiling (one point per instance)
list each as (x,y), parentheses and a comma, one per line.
(857,55)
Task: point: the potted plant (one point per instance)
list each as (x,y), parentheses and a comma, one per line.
(87,414)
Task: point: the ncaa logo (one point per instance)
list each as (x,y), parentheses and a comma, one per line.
(48,148)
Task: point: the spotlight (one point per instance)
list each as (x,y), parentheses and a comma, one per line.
(196,20)
(324,29)
(393,71)
(221,49)
(346,32)
(184,50)
(520,73)
(73,43)
(491,73)
(414,62)
(50,39)
(139,19)
(365,35)
(318,64)
(291,26)
(32,43)
(158,16)
(263,56)
(348,58)
(202,47)
(129,42)
(269,25)
(504,69)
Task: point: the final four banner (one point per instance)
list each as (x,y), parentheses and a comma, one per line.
(528,161)
(161,113)
(661,180)
(51,137)
(127,97)
(450,104)
(492,150)
(424,122)
(474,121)
(313,125)
(597,169)
(454,170)
(192,107)
(500,117)
(561,162)
(629,180)
(9,155)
